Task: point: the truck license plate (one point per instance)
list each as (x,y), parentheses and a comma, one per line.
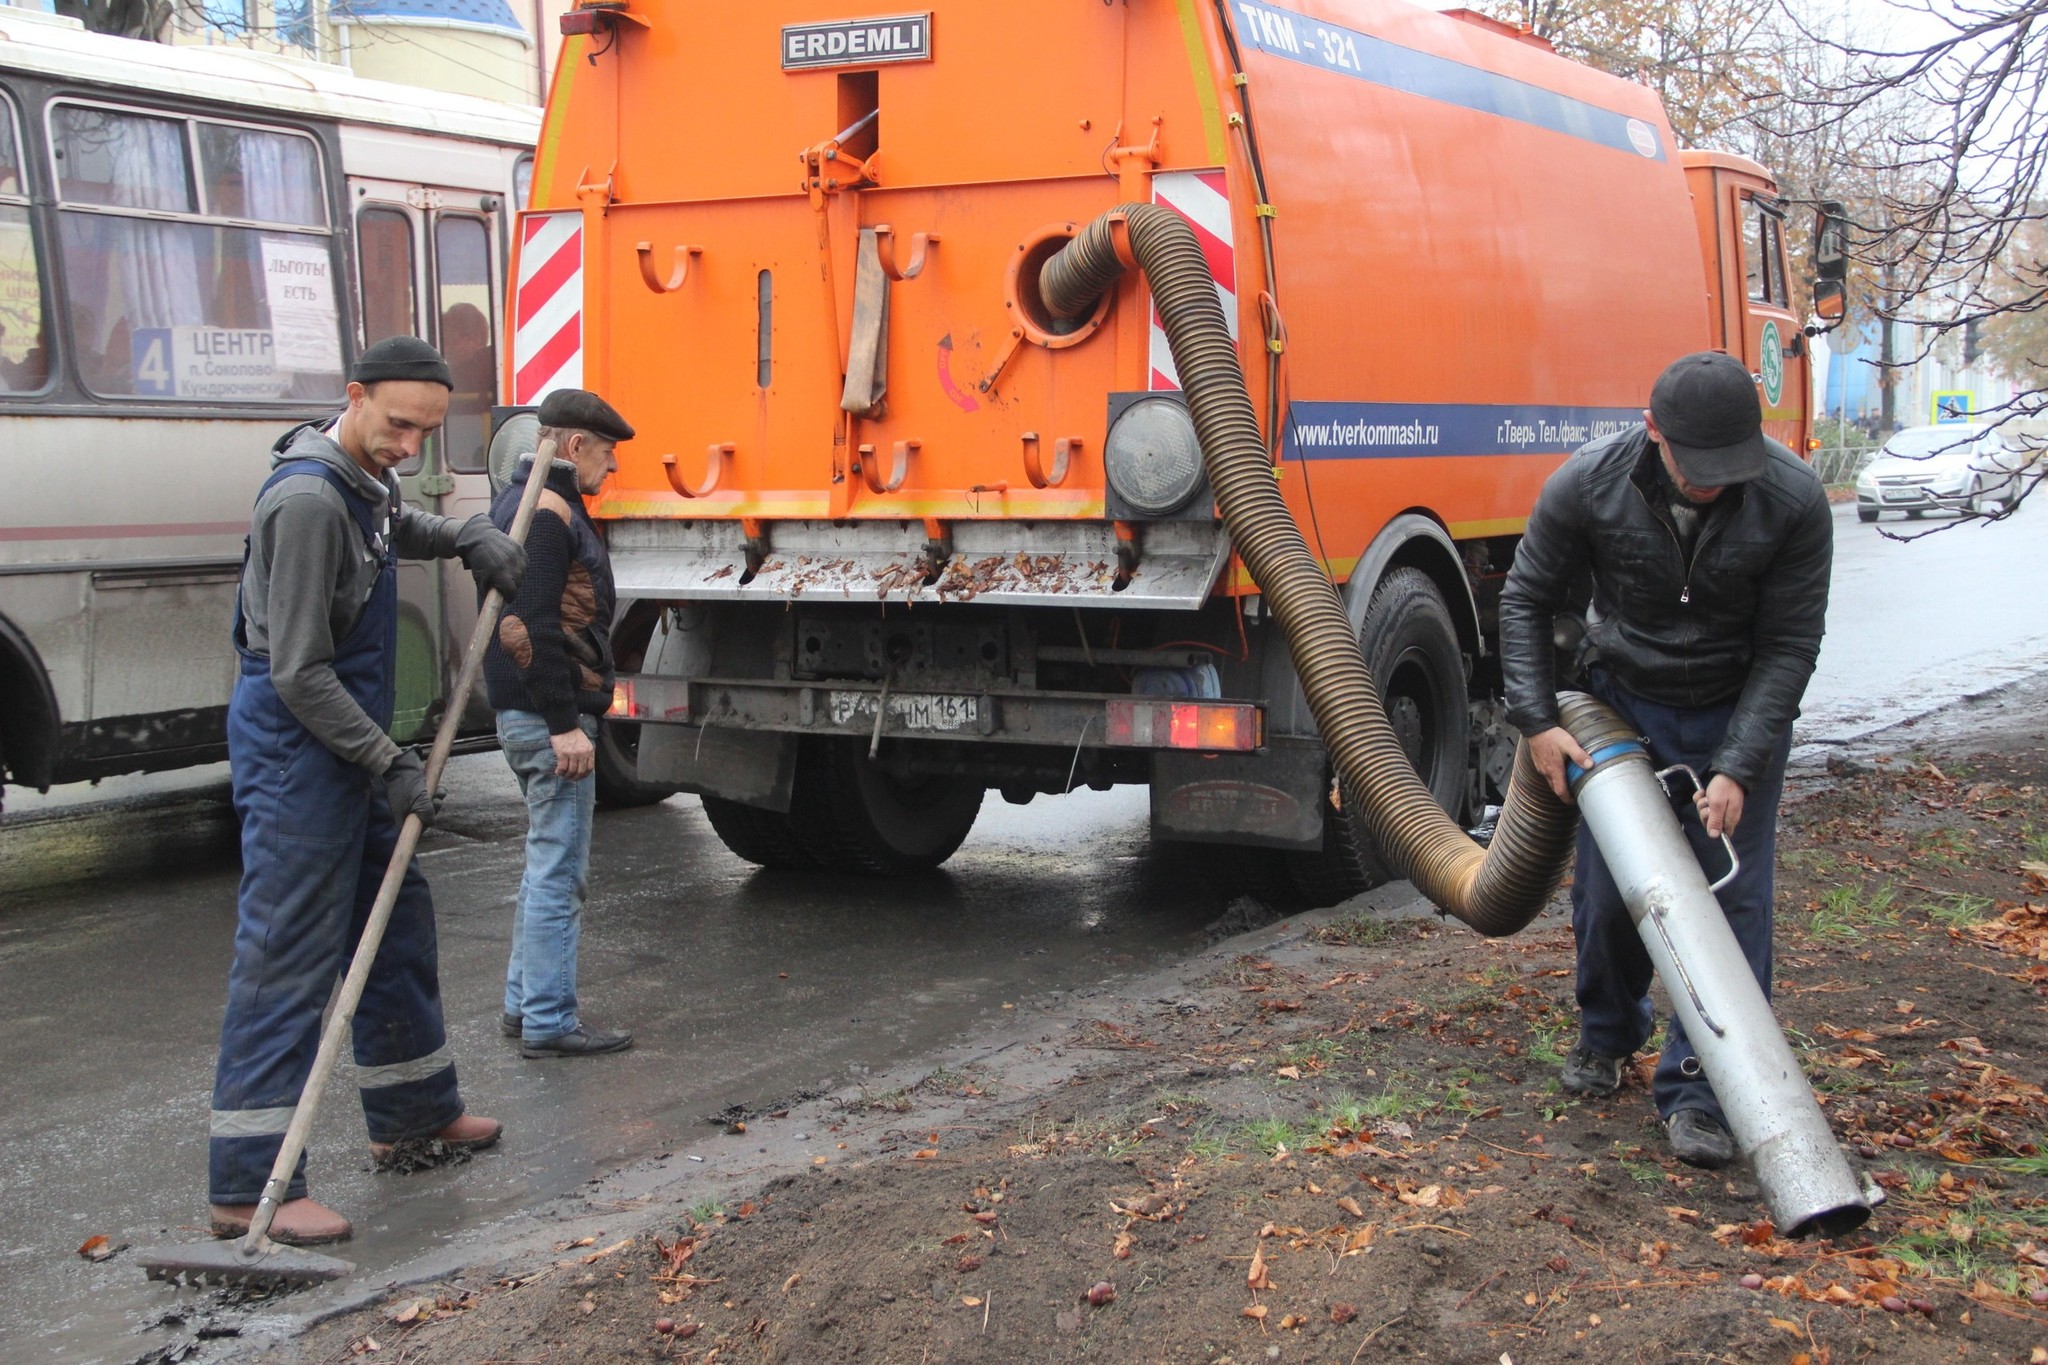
(909,710)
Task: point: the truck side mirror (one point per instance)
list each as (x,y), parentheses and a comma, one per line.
(1831,241)
(1830,263)
(1830,300)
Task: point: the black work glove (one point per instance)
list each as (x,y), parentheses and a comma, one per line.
(405,785)
(494,557)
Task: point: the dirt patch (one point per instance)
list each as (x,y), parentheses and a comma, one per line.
(1350,1145)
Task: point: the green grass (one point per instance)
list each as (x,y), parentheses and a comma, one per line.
(1357,930)
(1959,910)
(1846,912)
(1270,1135)
(1972,1243)
(706,1210)
(1208,1144)
(2036,843)
(1348,1112)
(1551,1037)
(1397,1099)
(895,1101)
(1314,1054)
(1947,851)
(2018,1165)
(1642,1172)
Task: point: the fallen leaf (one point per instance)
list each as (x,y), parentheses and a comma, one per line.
(792,1282)
(1256,1277)
(1341,1313)
(1292,1073)
(1292,1322)
(1784,1326)
(1257,1312)
(924,1154)
(97,1248)
(970,1300)
(1350,1206)
(615,1246)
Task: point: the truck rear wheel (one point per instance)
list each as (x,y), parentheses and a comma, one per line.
(1411,646)
(618,770)
(853,815)
(767,837)
(618,745)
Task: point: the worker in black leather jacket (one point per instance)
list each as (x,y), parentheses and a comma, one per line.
(1709,547)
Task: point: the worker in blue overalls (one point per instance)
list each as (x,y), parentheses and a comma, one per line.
(317,783)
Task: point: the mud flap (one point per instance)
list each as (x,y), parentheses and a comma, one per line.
(1270,800)
(752,767)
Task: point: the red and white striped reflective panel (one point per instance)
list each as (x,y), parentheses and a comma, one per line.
(547,318)
(1202,198)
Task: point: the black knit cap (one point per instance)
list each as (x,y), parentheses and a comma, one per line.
(1707,411)
(401,358)
(582,410)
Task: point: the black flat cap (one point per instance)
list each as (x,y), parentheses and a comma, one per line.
(1706,408)
(582,410)
(401,358)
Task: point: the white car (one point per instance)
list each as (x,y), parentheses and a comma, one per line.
(1961,466)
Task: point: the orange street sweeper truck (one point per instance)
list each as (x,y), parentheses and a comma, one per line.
(918,512)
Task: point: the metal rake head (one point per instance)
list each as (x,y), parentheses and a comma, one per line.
(224,1264)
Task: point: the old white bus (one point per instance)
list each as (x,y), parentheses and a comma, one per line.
(193,244)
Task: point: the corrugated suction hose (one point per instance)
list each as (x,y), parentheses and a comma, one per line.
(1498,890)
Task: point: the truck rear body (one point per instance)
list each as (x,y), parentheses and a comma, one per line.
(800,251)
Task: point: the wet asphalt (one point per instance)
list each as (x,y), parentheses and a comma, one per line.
(743,988)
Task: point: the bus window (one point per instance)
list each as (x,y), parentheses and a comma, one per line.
(255,174)
(462,279)
(166,302)
(384,253)
(24,332)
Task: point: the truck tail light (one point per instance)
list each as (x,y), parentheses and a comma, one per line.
(643,696)
(1147,724)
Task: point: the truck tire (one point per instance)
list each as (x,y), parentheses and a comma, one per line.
(766,837)
(1411,646)
(618,770)
(854,816)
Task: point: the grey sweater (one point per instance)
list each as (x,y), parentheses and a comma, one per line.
(308,576)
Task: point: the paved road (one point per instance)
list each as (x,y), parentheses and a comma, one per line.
(115,922)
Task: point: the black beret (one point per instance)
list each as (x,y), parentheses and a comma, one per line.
(582,410)
(401,358)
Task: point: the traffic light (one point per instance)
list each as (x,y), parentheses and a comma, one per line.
(1970,343)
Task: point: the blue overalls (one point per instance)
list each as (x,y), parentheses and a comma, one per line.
(317,834)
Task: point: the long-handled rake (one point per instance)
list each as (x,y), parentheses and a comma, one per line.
(253,1260)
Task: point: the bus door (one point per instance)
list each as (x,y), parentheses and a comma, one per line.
(428,263)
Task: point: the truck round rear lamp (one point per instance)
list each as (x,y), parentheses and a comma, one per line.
(1152,456)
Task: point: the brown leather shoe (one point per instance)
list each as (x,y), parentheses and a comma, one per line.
(299,1223)
(470,1133)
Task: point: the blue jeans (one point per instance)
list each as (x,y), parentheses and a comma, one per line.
(540,979)
(1614,966)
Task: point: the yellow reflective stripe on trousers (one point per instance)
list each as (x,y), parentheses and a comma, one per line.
(239,1123)
(404,1073)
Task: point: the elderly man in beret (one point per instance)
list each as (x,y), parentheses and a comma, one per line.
(549,674)
(319,788)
